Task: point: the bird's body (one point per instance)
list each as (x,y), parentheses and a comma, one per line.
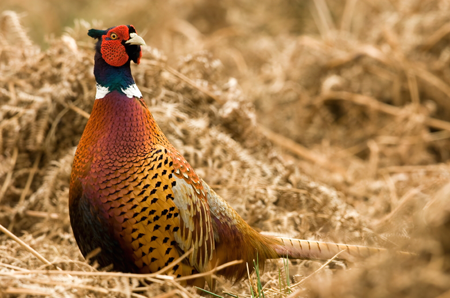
(134,196)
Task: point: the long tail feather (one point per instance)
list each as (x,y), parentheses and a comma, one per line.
(308,249)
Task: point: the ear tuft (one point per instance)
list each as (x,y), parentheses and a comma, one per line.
(132,29)
(96,33)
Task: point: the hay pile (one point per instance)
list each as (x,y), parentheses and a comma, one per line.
(365,97)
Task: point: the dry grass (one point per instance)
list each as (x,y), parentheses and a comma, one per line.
(334,127)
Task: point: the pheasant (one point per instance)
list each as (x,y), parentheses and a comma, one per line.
(133,195)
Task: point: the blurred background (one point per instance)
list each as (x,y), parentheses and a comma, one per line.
(323,119)
(284,52)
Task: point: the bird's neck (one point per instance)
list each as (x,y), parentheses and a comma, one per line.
(120,128)
(110,78)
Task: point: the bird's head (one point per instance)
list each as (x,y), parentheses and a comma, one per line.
(118,45)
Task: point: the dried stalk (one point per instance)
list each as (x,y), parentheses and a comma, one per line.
(379,106)
(9,174)
(301,151)
(24,245)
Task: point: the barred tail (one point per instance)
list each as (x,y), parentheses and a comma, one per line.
(309,249)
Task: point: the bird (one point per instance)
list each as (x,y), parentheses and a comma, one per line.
(134,196)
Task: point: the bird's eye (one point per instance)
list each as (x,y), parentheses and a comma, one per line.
(113,36)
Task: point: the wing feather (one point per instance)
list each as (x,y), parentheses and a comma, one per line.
(195,224)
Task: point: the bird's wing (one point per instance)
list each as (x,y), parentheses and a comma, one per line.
(195,220)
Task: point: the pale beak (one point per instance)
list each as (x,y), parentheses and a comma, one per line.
(135,40)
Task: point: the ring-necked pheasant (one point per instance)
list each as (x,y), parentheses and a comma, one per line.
(134,196)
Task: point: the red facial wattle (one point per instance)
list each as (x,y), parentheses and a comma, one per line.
(113,51)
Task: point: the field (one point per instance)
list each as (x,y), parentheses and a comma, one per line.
(315,119)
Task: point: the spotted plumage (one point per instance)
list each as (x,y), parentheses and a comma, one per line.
(133,195)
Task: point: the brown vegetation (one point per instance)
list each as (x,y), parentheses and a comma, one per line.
(319,120)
